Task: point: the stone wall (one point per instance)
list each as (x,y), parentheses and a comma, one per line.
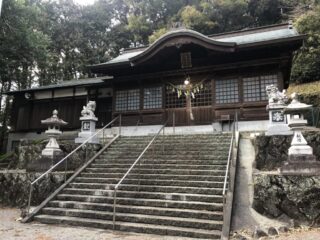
(272,151)
(15,186)
(28,155)
(298,197)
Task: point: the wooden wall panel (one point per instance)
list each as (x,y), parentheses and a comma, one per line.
(180,116)
(202,115)
(151,119)
(254,113)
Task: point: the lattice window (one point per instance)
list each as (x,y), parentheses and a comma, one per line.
(172,100)
(204,97)
(251,89)
(128,100)
(152,98)
(254,88)
(186,61)
(227,91)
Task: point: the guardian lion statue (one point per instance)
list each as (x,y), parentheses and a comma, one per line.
(275,96)
(88,111)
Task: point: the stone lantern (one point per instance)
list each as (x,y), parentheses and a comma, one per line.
(300,154)
(52,148)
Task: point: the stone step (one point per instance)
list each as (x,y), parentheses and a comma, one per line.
(214,194)
(130,227)
(143,165)
(164,157)
(168,152)
(156,176)
(135,184)
(183,213)
(215,204)
(167,161)
(157,171)
(171,146)
(149,182)
(136,218)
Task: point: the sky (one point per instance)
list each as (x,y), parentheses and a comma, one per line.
(84,2)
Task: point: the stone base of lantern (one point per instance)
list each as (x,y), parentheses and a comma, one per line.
(46,162)
(307,167)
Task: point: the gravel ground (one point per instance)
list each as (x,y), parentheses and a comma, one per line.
(11,229)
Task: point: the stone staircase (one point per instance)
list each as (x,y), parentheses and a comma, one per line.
(180,190)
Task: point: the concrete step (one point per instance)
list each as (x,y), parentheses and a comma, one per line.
(167,161)
(216,203)
(159,145)
(150,187)
(160,211)
(136,218)
(212,157)
(168,152)
(143,165)
(145,191)
(149,182)
(130,227)
(152,176)
(158,171)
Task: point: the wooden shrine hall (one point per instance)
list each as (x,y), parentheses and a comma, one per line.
(231,69)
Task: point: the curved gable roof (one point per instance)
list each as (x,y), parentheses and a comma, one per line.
(181,37)
(228,42)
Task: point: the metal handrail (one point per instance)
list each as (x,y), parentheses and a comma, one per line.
(66,157)
(129,170)
(230,155)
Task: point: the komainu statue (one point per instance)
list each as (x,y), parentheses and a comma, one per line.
(275,96)
(88,111)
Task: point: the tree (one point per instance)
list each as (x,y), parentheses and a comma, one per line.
(306,65)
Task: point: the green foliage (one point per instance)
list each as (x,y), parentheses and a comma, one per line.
(306,65)
(157,34)
(140,28)
(194,19)
(5,157)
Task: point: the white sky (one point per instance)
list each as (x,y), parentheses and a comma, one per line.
(84,2)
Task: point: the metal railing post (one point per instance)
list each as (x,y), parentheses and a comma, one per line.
(86,152)
(139,172)
(65,170)
(114,207)
(163,140)
(120,125)
(30,195)
(174,122)
(103,136)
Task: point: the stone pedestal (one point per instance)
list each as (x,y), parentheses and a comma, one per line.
(301,159)
(277,121)
(46,162)
(52,148)
(88,129)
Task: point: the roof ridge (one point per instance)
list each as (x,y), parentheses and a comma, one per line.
(271,27)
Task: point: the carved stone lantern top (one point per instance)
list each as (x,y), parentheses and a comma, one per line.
(296,106)
(54,120)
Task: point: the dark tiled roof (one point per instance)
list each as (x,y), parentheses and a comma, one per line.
(239,38)
(67,83)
